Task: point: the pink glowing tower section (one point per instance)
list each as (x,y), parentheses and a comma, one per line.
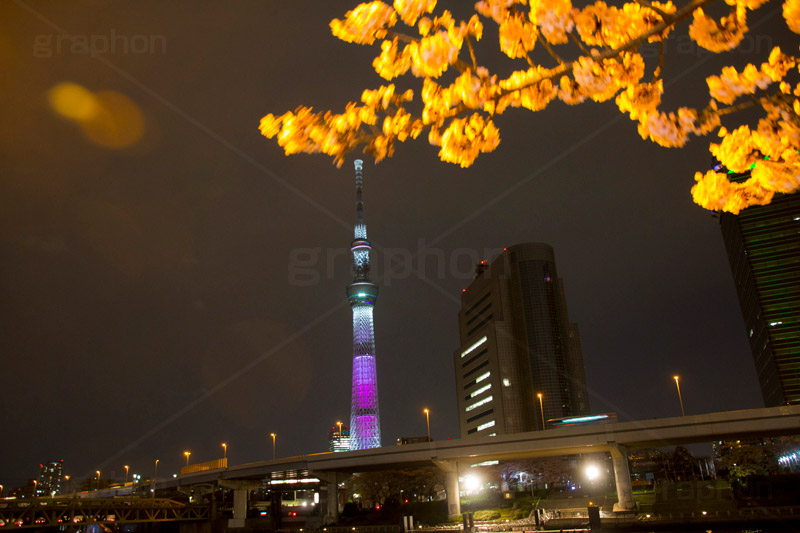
(365,428)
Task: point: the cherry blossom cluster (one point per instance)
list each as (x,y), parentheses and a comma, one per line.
(595,54)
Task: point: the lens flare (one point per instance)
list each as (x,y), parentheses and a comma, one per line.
(118,124)
(72,101)
(108,118)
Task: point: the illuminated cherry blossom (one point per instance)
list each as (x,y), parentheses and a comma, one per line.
(595,54)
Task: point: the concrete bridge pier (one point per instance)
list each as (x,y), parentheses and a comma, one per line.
(622,476)
(331,480)
(451,487)
(240,490)
(196,492)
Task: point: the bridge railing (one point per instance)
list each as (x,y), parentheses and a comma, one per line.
(357,529)
(58,512)
(217,464)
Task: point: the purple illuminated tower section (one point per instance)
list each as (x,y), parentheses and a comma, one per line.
(365,427)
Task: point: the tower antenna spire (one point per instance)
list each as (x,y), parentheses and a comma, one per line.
(359,191)
(365,429)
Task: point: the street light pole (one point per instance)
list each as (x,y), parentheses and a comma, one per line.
(98,479)
(224,450)
(155,477)
(187,454)
(273,444)
(541,408)
(126,474)
(428,421)
(680,398)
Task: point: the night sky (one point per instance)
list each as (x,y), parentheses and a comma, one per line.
(189,290)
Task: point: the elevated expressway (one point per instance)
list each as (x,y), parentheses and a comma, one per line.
(455,456)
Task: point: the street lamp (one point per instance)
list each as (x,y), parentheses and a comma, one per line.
(34,488)
(187,454)
(428,421)
(472,483)
(155,477)
(98,479)
(592,473)
(126,473)
(680,399)
(339,423)
(541,408)
(224,450)
(273,443)
(66,478)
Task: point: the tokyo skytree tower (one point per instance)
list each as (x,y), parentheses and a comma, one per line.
(365,427)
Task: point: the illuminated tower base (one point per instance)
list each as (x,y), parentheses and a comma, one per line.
(365,428)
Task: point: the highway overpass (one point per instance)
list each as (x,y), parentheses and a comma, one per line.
(455,456)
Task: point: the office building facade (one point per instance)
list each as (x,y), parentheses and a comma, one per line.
(51,479)
(520,362)
(339,438)
(763,245)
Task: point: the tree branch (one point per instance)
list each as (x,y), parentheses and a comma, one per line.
(680,15)
(549,49)
(658,70)
(472,53)
(579,43)
(402,36)
(664,15)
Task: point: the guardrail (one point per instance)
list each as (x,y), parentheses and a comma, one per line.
(357,529)
(41,513)
(216,464)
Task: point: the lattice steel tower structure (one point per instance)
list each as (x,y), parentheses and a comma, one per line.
(365,427)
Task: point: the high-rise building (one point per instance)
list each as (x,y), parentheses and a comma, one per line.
(520,361)
(339,438)
(763,244)
(365,428)
(51,478)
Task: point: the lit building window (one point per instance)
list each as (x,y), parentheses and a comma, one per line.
(479,403)
(486,425)
(481,390)
(471,348)
(506,382)
(482,377)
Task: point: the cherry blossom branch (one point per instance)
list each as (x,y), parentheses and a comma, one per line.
(680,15)
(549,49)
(402,36)
(664,15)
(577,41)
(472,53)
(660,67)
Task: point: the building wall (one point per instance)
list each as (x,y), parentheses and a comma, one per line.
(763,245)
(517,303)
